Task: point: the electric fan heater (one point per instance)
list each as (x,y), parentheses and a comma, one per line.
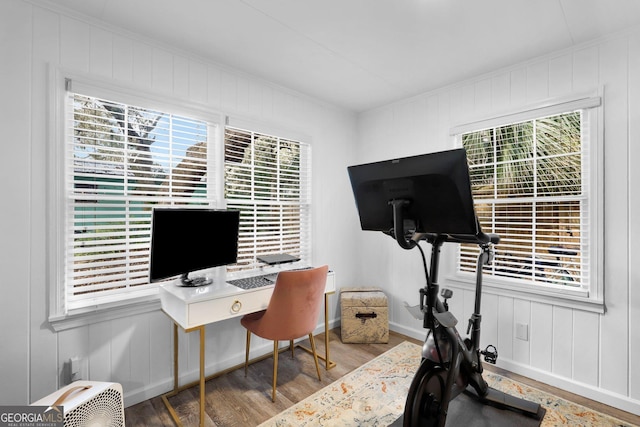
(88,404)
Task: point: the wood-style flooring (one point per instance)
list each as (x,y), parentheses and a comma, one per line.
(235,401)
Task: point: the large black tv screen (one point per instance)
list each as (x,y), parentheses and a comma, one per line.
(435,186)
(184,240)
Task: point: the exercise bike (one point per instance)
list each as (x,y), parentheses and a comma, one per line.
(428,198)
(451,363)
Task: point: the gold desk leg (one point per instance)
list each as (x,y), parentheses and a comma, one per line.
(328,363)
(202,380)
(176,388)
(201,329)
(175,357)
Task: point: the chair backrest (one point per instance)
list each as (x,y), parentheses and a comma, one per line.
(294,306)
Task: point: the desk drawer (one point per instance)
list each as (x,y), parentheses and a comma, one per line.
(214,310)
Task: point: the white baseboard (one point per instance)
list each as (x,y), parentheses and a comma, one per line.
(418,334)
(133,397)
(615,400)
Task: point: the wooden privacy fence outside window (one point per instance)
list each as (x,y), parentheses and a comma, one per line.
(530,186)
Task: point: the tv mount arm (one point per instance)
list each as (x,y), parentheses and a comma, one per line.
(398,231)
(408,238)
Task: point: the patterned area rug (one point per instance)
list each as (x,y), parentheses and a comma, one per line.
(374,395)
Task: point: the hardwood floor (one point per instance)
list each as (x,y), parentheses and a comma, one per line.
(235,401)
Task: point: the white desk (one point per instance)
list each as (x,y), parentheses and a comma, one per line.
(193,308)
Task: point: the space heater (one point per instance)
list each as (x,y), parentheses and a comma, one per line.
(88,404)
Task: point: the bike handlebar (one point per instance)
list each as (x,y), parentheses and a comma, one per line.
(479,239)
(404,230)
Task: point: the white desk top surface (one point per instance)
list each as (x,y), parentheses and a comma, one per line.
(218,289)
(191,307)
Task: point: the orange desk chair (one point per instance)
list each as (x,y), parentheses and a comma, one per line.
(292,312)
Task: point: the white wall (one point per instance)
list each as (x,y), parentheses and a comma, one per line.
(591,354)
(136,350)
(595,355)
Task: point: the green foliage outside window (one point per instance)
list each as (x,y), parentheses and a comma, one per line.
(527,183)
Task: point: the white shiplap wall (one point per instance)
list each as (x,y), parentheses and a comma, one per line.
(595,355)
(588,353)
(135,350)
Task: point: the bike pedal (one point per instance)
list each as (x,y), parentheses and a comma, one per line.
(490,354)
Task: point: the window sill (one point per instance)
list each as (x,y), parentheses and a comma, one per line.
(95,314)
(577,300)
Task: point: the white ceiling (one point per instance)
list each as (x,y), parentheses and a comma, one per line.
(360,54)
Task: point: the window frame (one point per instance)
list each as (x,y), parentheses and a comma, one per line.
(305,197)
(592,298)
(60,83)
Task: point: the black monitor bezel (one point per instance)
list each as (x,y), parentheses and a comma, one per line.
(431,192)
(186,242)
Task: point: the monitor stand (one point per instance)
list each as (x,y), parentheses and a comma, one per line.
(194,282)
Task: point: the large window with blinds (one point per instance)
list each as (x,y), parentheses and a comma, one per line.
(121,161)
(267,178)
(533,184)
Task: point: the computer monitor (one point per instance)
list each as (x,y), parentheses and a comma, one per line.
(185,240)
(428,193)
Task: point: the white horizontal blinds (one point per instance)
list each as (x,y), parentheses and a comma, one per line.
(267,178)
(121,161)
(529,186)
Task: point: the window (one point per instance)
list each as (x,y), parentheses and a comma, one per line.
(120,160)
(116,153)
(267,179)
(534,184)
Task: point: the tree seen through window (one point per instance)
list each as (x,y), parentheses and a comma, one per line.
(527,185)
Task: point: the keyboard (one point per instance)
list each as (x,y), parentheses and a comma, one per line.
(255,281)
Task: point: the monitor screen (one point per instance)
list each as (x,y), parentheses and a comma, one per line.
(435,188)
(184,240)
